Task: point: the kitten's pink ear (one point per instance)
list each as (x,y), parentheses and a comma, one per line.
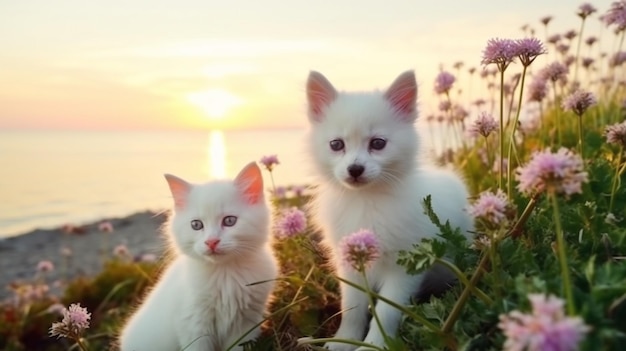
(250,182)
(402,94)
(180,190)
(320,93)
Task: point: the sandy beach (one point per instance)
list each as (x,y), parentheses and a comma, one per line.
(77,250)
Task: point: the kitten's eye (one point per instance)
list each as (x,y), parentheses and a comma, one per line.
(197,224)
(229,221)
(377,144)
(336,145)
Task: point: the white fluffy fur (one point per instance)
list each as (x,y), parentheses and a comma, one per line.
(386,198)
(203,299)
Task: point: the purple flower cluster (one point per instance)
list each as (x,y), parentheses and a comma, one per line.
(503,51)
(359,250)
(617,59)
(555,71)
(528,49)
(560,172)
(537,89)
(546,328)
(269,162)
(499,51)
(75,320)
(292,222)
(616,134)
(45,266)
(616,15)
(443,82)
(579,101)
(585,10)
(484,125)
(493,209)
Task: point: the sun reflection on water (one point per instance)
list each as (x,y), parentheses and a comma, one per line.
(216,155)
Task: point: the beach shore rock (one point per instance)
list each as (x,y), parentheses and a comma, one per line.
(77,250)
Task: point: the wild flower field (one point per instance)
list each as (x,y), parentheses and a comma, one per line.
(543,156)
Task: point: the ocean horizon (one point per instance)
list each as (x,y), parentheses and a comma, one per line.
(56,177)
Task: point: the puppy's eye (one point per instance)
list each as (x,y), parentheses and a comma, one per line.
(377,144)
(336,145)
(197,224)
(229,221)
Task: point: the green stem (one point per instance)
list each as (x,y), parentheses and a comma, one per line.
(393,304)
(482,266)
(512,139)
(343,341)
(481,294)
(501,177)
(580,38)
(561,250)
(273,185)
(80,343)
(370,298)
(557,121)
(460,303)
(616,178)
(580,137)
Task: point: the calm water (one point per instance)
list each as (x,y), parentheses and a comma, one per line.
(49,178)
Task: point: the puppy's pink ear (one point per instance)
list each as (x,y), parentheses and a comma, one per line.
(179,189)
(250,182)
(402,94)
(320,93)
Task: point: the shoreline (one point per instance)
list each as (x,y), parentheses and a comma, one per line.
(76,251)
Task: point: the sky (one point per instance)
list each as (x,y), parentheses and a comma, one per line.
(198,64)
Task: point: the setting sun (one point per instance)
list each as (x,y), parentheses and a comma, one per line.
(216,103)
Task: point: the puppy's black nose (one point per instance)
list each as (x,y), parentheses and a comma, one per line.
(355,170)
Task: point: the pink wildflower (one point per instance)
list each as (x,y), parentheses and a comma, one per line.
(280,192)
(269,162)
(445,106)
(359,249)
(292,222)
(528,49)
(484,125)
(499,51)
(579,101)
(554,38)
(545,20)
(587,62)
(443,82)
(494,209)
(66,251)
(121,251)
(45,266)
(590,41)
(616,134)
(537,89)
(105,227)
(616,15)
(546,328)
(298,190)
(570,34)
(617,59)
(585,10)
(560,172)
(75,320)
(555,71)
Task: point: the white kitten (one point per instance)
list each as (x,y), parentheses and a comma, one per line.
(203,301)
(365,149)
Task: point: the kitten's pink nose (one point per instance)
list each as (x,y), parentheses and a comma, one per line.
(212,243)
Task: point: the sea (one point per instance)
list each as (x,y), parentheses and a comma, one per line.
(51,178)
